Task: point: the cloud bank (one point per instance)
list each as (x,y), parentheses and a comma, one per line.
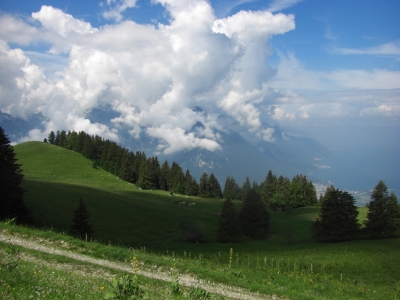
(171,82)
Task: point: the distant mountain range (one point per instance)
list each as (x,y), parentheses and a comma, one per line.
(240,157)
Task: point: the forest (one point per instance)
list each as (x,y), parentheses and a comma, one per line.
(277,193)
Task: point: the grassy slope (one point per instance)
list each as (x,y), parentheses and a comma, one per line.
(55,179)
(364,269)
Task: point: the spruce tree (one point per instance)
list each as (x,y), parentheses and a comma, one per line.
(11,192)
(245,188)
(383,218)
(254,217)
(214,186)
(337,218)
(228,226)
(231,189)
(204,188)
(80,227)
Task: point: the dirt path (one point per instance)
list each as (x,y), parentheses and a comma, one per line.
(185,280)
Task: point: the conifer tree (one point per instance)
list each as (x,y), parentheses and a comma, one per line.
(214,186)
(228,226)
(337,218)
(383,218)
(11,192)
(231,189)
(204,188)
(164,175)
(51,137)
(245,188)
(254,217)
(80,223)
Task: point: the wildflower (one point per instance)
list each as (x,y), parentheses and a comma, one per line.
(135,264)
(102,288)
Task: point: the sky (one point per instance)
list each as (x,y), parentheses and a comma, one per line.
(329,70)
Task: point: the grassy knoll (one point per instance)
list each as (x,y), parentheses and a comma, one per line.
(288,264)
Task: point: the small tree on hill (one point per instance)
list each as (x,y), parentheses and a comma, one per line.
(11,192)
(383,218)
(80,226)
(337,219)
(254,217)
(228,226)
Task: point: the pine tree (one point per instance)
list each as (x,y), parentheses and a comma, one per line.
(337,219)
(383,218)
(228,226)
(214,186)
(204,188)
(11,192)
(231,189)
(268,187)
(245,188)
(80,226)
(302,192)
(164,175)
(254,217)
(51,137)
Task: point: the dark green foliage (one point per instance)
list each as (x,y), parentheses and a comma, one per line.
(51,137)
(231,189)
(80,223)
(245,188)
(383,218)
(176,180)
(204,189)
(302,192)
(214,186)
(268,187)
(164,175)
(228,226)
(192,232)
(337,219)
(254,217)
(191,186)
(11,192)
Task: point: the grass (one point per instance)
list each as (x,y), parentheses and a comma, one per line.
(288,264)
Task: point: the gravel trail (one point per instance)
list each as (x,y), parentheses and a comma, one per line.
(185,280)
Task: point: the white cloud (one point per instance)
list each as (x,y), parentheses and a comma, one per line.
(391,49)
(116,8)
(153,77)
(278,5)
(293,75)
(56,20)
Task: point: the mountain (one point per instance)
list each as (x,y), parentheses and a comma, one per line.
(240,158)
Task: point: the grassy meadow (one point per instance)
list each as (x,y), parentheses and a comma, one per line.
(145,224)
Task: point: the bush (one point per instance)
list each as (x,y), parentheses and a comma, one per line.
(192,232)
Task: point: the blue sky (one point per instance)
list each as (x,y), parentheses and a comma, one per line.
(324,69)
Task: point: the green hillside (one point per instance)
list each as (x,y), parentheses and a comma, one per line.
(287,264)
(55,179)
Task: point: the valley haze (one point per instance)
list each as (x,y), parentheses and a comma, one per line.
(234,88)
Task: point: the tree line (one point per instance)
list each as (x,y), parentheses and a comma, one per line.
(146,172)
(278,193)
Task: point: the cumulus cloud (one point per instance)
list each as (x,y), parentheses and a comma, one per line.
(116,8)
(171,82)
(56,20)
